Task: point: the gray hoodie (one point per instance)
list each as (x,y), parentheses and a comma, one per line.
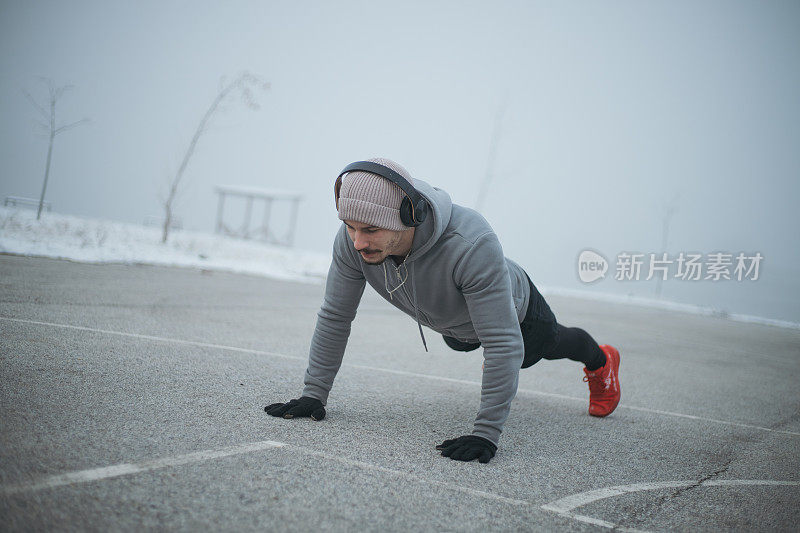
(458,284)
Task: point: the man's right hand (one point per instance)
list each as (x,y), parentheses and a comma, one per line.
(303,406)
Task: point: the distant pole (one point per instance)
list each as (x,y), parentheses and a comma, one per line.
(483,190)
(46,175)
(220,210)
(671,209)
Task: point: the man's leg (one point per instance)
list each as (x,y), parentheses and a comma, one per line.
(602,365)
(545,337)
(575,344)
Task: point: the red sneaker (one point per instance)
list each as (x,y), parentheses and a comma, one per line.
(604,389)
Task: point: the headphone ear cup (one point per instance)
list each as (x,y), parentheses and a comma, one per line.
(336,187)
(407,212)
(412,217)
(421,212)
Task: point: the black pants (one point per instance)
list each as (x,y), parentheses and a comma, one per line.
(545,338)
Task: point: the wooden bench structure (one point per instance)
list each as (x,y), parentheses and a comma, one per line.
(263,232)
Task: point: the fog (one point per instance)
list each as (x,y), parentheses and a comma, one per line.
(603,115)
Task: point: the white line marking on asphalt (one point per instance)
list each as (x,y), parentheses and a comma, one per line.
(95,474)
(154,338)
(565,506)
(412,477)
(98,474)
(391,371)
(574,398)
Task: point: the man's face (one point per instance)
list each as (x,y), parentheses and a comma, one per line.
(376,244)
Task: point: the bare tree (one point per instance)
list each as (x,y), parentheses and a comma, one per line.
(48,113)
(242,86)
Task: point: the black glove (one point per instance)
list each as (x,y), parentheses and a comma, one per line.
(467,448)
(303,406)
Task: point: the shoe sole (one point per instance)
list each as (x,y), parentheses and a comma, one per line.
(616,361)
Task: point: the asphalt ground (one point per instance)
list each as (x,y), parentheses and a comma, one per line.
(131,398)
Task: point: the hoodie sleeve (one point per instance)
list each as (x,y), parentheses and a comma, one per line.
(343,290)
(483,277)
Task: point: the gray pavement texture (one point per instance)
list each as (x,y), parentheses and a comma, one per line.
(160,363)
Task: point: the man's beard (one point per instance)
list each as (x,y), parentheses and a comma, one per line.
(373,262)
(388,248)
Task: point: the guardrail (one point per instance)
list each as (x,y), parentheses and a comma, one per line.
(18,201)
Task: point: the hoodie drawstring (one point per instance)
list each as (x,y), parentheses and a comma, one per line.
(413,298)
(416,309)
(396,271)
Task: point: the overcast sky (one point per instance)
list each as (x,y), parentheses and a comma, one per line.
(612,112)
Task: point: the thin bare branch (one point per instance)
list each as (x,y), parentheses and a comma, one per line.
(59,92)
(73,125)
(41,110)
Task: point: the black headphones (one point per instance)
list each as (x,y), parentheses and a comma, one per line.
(413,208)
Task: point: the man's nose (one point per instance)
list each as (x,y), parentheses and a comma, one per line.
(360,242)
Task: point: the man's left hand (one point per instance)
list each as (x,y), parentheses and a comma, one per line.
(467,448)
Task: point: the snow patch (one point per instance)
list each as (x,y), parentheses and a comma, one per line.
(90,240)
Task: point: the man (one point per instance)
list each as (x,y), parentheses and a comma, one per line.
(442,264)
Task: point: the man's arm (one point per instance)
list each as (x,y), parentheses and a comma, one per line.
(483,277)
(343,290)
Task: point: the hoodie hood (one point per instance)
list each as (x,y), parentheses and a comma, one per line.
(425,236)
(439,210)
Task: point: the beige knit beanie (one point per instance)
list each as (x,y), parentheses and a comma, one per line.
(371,199)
